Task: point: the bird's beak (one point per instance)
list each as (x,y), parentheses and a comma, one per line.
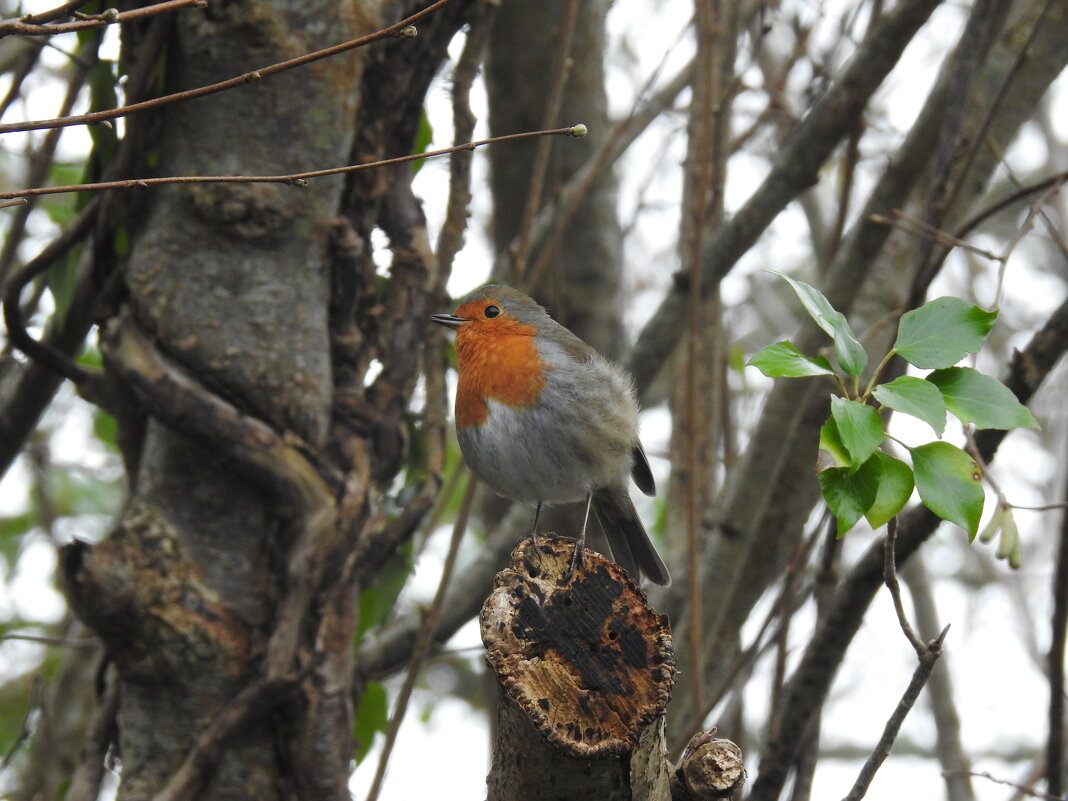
(449,320)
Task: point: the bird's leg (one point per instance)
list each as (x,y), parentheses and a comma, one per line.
(534,528)
(580,543)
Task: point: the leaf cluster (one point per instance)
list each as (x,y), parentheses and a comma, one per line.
(857,476)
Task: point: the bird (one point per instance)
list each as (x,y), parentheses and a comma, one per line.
(542,417)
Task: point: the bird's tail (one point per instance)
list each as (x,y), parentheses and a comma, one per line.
(631,547)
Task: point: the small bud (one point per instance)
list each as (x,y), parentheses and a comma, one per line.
(1016,555)
(1010,537)
(578,131)
(408,32)
(110,15)
(991,528)
(253,76)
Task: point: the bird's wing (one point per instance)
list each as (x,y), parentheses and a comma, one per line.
(640,471)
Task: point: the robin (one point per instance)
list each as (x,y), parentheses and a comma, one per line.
(544,418)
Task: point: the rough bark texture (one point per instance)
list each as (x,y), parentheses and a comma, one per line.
(585,669)
(227,594)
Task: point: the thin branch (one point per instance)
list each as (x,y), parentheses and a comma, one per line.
(426,639)
(44,353)
(948,745)
(21,27)
(402,29)
(60,12)
(890,578)
(557,215)
(928,659)
(457,209)
(296,178)
(1010,199)
(911,225)
(1023,788)
(62,642)
(41,159)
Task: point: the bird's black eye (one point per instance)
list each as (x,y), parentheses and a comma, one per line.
(492,311)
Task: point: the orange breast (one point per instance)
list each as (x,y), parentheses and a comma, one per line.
(499,362)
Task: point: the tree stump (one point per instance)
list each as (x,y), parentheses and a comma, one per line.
(585,669)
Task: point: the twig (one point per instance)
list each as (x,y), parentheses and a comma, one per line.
(296,178)
(1024,229)
(47,355)
(457,209)
(890,578)
(426,638)
(21,27)
(1049,507)
(65,10)
(1023,788)
(928,659)
(1012,198)
(63,642)
(909,224)
(41,159)
(399,29)
(948,745)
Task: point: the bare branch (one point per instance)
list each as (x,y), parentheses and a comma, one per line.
(46,354)
(1023,788)
(425,640)
(928,659)
(296,178)
(402,29)
(65,10)
(21,27)
(890,578)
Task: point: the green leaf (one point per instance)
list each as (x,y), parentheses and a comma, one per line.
(914,396)
(860,428)
(849,494)
(847,349)
(371,718)
(981,399)
(377,601)
(783,360)
(832,451)
(895,488)
(940,333)
(423,137)
(814,302)
(950,484)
